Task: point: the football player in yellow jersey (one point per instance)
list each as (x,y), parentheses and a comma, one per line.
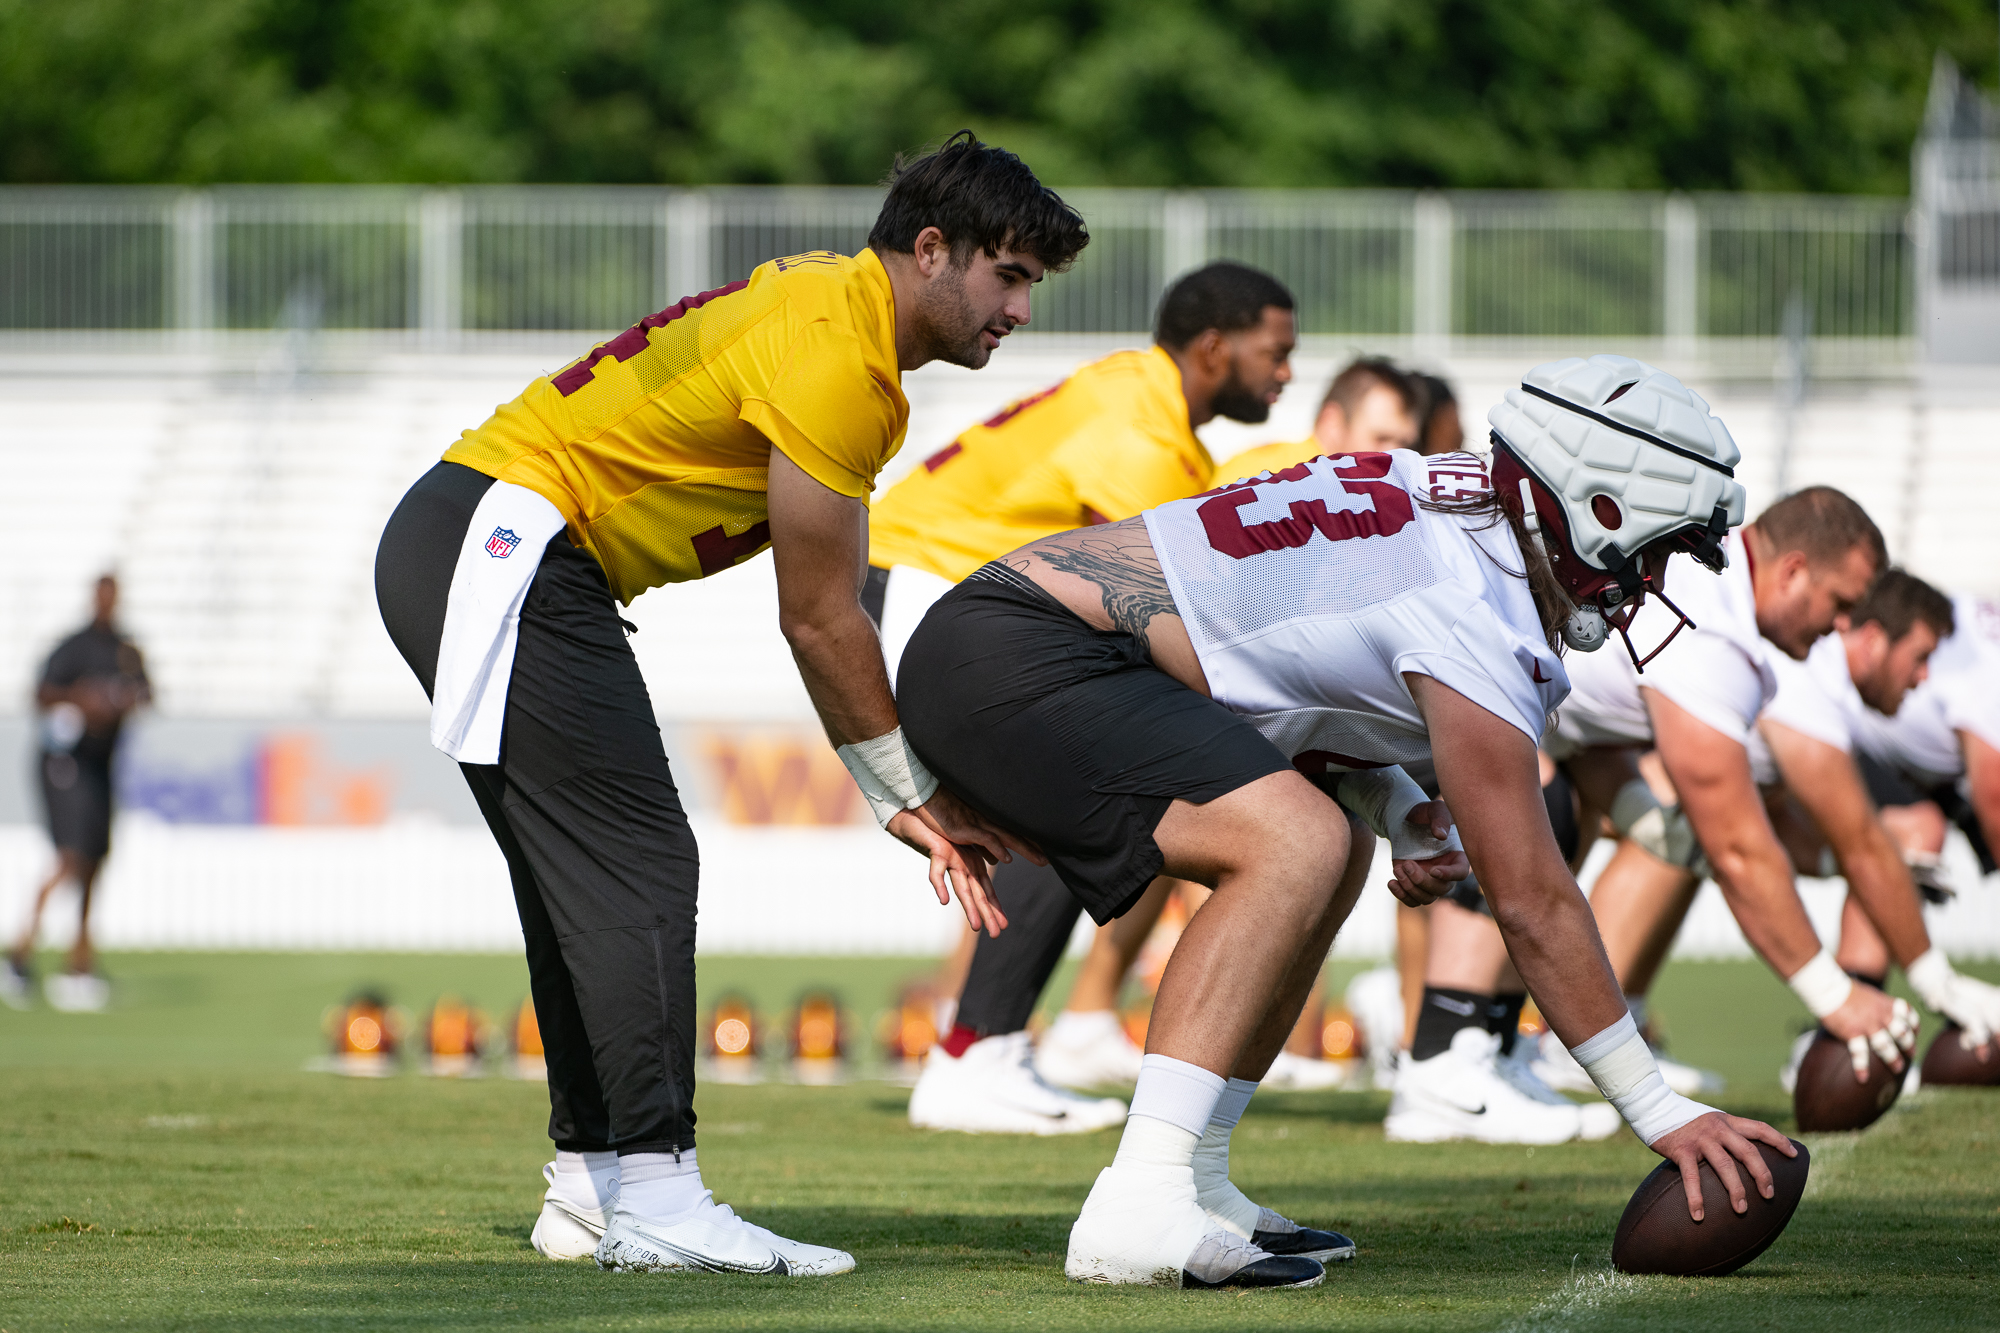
(1114,439)
(1372,405)
(755,415)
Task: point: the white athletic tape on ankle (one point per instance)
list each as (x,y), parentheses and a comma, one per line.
(889,774)
(1821,985)
(1624,1070)
(1383,798)
(1177,1092)
(1229,1107)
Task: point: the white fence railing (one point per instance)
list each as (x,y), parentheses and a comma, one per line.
(1428,266)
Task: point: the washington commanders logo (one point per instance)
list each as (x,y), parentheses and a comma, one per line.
(502,543)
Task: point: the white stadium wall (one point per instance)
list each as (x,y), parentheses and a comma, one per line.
(284,796)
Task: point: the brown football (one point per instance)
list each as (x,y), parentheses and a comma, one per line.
(1656,1235)
(1829,1097)
(1949,1063)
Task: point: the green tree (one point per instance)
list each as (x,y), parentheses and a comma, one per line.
(1700,94)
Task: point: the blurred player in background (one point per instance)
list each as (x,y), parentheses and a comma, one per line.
(1115,438)
(1441,432)
(1804,755)
(755,415)
(1371,405)
(91,683)
(1793,574)
(1935,762)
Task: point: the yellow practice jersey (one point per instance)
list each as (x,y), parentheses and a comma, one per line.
(656,445)
(1268,458)
(1108,442)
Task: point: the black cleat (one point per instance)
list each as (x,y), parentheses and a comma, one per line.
(1275,1271)
(1325,1246)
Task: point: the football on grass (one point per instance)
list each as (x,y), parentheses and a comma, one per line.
(1949,1063)
(1828,1097)
(1656,1235)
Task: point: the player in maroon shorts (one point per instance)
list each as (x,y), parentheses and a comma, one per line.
(1175,693)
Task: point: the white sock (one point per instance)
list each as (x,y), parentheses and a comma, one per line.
(1073,1028)
(656,1187)
(587,1179)
(1226,1205)
(1635,1005)
(1177,1092)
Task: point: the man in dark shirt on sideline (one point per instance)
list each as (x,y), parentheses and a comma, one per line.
(93,680)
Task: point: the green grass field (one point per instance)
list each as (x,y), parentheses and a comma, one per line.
(170,1165)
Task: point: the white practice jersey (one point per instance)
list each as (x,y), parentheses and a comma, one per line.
(1720,670)
(1960,695)
(1308,592)
(1816,698)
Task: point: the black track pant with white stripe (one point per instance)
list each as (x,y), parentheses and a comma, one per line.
(585,810)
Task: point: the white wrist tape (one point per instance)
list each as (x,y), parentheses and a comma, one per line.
(1626,1073)
(889,774)
(1383,798)
(1931,975)
(1820,985)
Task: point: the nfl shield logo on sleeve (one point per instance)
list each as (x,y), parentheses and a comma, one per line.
(502,543)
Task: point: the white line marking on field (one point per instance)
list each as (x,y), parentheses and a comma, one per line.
(1583,1296)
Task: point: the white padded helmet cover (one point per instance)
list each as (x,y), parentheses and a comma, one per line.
(1657,490)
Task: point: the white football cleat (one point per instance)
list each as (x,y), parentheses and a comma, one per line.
(1087,1051)
(566,1229)
(1297,1073)
(993,1089)
(77,992)
(1138,1229)
(1461,1094)
(801,1259)
(1375,998)
(1596,1120)
(710,1238)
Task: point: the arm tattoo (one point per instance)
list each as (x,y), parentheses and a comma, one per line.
(1134,590)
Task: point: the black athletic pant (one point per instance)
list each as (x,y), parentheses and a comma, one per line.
(1008,974)
(586,812)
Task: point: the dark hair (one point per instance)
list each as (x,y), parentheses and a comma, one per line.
(980,197)
(1553,603)
(1824,524)
(1363,373)
(1898,600)
(1223,296)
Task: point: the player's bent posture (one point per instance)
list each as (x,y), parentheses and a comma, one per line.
(755,415)
(1114,439)
(1804,563)
(1804,751)
(1152,695)
(1936,761)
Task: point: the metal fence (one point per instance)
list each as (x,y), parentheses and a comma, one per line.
(440,263)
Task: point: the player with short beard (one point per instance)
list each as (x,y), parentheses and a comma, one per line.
(758,414)
(1114,439)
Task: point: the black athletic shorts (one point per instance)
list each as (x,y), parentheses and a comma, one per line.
(1069,737)
(76,802)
